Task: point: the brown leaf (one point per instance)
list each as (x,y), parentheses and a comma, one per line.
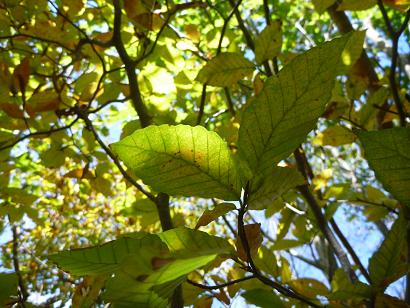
(12,110)
(210,215)
(150,21)
(134,8)
(21,74)
(42,101)
(223,297)
(254,238)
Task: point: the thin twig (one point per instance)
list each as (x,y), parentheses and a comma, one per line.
(350,249)
(321,221)
(84,116)
(38,133)
(395,36)
(219,286)
(252,267)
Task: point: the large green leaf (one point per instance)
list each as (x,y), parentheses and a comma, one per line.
(182,160)
(186,243)
(138,250)
(388,154)
(225,70)
(123,290)
(268,186)
(277,120)
(190,250)
(386,265)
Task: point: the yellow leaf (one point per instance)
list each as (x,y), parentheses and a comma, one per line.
(210,215)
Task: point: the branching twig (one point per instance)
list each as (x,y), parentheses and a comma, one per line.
(84,116)
(395,36)
(252,267)
(39,133)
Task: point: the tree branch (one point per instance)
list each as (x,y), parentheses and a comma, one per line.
(23,291)
(135,93)
(395,36)
(38,133)
(219,286)
(321,221)
(84,116)
(252,267)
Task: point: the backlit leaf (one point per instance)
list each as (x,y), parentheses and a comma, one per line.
(263,298)
(388,154)
(108,257)
(184,243)
(334,136)
(269,42)
(344,289)
(269,185)
(21,74)
(388,263)
(182,160)
(225,70)
(42,101)
(322,5)
(354,5)
(254,239)
(278,119)
(210,215)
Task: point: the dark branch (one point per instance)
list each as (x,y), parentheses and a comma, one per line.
(84,116)
(219,286)
(23,291)
(39,133)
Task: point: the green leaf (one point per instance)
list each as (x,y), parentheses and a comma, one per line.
(124,290)
(268,186)
(343,289)
(269,42)
(184,243)
(8,287)
(263,298)
(388,154)
(178,268)
(368,110)
(354,5)
(143,209)
(108,257)
(182,160)
(387,265)
(210,215)
(225,70)
(334,136)
(322,5)
(277,120)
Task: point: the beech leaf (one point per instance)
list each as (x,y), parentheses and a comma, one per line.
(225,70)
(182,160)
